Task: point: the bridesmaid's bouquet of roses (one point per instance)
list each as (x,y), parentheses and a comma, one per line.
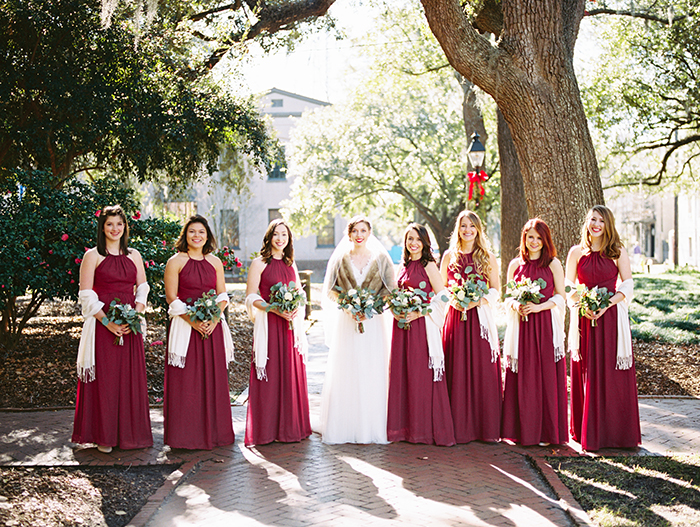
(204,308)
(123,314)
(593,299)
(286,298)
(465,291)
(525,290)
(360,302)
(404,301)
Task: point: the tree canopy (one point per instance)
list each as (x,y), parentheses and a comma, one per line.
(398,142)
(644,95)
(75,96)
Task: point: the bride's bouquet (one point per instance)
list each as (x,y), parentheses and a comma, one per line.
(285,297)
(124,314)
(465,291)
(204,308)
(360,301)
(404,301)
(525,290)
(593,299)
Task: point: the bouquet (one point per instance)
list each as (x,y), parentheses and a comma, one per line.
(286,298)
(593,299)
(124,314)
(403,301)
(464,292)
(525,290)
(204,308)
(360,301)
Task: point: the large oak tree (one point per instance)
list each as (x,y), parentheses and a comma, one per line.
(529,72)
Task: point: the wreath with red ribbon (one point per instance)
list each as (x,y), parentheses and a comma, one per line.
(477,178)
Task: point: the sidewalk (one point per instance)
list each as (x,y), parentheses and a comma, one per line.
(310,483)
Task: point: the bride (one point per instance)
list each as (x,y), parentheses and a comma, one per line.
(354,400)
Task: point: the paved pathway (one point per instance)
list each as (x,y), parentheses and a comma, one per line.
(310,483)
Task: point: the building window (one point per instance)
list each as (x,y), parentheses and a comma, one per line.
(278,172)
(228,225)
(181,209)
(326,234)
(277,103)
(273,214)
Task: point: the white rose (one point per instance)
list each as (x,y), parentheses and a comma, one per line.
(288,296)
(461,294)
(352,292)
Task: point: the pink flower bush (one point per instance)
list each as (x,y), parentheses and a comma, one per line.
(97,213)
(64,236)
(137,215)
(78,260)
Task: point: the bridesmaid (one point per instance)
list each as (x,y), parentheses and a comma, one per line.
(604,410)
(278,403)
(196,405)
(112,403)
(472,362)
(419,407)
(534,402)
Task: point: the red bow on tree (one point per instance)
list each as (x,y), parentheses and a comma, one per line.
(477,178)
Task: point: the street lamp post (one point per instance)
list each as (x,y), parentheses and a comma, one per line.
(476,154)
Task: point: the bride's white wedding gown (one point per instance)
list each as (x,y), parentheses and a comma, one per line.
(355,389)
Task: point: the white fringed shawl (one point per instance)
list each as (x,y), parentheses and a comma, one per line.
(487,323)
(510,343)
(434,322)
(180,331)
(624,335)
(259,319)
(90,305)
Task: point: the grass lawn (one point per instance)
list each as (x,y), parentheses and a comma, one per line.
(647,490)
(666,307)
(640,491)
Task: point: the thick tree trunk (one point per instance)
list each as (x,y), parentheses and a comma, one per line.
(529,73)
(514,212)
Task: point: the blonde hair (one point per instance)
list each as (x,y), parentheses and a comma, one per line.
(482,246)
(611,244)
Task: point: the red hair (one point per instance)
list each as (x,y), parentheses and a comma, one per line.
(549,252)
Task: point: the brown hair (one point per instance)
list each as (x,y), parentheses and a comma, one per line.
(549,252)
(266,251)
(209,245)
(358,219)
(426,255)
(480,253)
(106,212)
(611,245)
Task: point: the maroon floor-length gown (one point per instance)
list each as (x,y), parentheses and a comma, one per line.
(419,408)
(278,408)
(473,381)
(534,399)
(112,410)
(604,408)
(197,404)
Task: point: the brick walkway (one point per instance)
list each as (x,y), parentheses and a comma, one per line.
(310,483)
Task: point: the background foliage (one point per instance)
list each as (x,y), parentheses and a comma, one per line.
(44,233)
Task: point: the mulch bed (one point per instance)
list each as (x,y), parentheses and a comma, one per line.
(86,496)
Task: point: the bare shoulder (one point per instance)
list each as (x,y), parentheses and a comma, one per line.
(177,261)
(575,252)
(514,264)
(258,264)
(214,260)
(555,265)
(135,255)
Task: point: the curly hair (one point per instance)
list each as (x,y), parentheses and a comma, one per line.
(480,252)
(266,250)
(611,244)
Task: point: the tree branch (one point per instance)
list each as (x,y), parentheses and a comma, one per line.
(635,14)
